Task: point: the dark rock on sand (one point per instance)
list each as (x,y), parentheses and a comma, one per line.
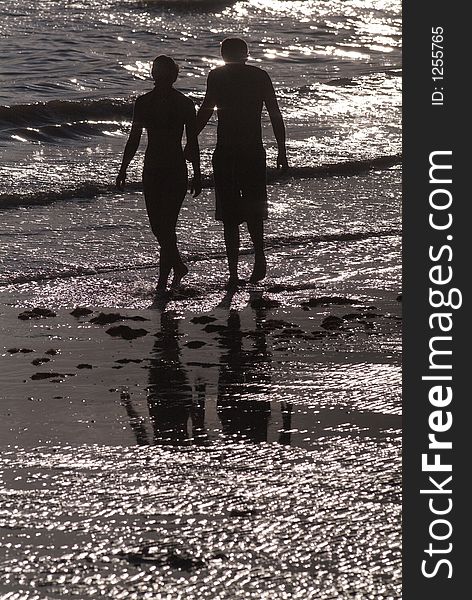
(80,311)
(84,366)
(332,322)
(290,333)
(184,562)
(295,330)
(366,315)
(399,297)
(214,328)
(46,375)
(242,512)
(52,351)
(327,300)
(22,350)
(351,316)
(203,319)
(176,559)
(125,332)
(264,303)
(36,313)
(39,361)
(106,318)
(125,361)
(195,344)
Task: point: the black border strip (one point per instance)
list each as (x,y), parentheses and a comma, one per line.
(434,125)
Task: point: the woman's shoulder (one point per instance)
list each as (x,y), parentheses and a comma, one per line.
(182,98)
(144,99)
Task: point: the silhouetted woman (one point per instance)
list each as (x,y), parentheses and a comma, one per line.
(164,112)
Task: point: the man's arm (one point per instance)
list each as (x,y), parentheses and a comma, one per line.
(204,113)
(192,150)
(131,147)
(277,122)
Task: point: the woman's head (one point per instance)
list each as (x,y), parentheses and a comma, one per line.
(164,70)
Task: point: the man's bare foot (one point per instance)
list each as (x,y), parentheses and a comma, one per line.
(160,290)
(179,274)
(260,270)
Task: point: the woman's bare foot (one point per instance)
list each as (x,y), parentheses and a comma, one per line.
(260,269)
(179,274)
(234,282)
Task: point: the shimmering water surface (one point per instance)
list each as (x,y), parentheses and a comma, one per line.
(240,445)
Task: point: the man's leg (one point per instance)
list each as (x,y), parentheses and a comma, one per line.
(231,233)
(256,231)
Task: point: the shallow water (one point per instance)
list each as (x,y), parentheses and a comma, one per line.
(321,232)
(229,521)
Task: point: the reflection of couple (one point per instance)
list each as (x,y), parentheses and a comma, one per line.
(238,91)
(243,382)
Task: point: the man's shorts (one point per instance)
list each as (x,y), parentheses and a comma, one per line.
(240,184)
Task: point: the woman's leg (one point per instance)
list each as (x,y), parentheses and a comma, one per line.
(169,256)
(163,207)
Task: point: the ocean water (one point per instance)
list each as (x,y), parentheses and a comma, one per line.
(244,453)
(70,72)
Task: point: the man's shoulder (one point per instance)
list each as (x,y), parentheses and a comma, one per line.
(221,75)
(244,68)
(257,71)
(216,72)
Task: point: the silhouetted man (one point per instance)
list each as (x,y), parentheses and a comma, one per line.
(239,91)
(164,112)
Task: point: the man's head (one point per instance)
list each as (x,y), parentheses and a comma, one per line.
(164,70)
(234,50)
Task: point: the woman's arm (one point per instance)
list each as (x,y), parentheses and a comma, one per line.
(130,149)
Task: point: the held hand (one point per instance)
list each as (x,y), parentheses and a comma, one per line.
(196,185)
(189,153)
(121,180)
(282,162)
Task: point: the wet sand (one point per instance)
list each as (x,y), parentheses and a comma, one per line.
(251,450)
